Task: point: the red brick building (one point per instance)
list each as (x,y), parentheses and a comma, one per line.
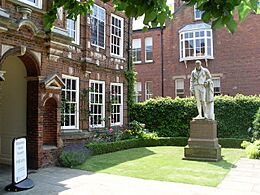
(233,59)
(59,86)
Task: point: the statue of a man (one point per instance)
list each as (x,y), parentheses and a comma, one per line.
(201,86)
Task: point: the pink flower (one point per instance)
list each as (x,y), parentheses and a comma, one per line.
(110,130)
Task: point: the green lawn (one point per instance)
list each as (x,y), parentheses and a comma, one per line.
(163,163)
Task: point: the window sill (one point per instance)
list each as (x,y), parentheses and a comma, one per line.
(33,7)
(118,57)
(138,62)
(196,58)
(149,62)
(70,131)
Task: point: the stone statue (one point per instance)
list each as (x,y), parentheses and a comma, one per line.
(201,86)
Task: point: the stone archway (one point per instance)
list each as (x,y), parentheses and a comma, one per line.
(13,97)
(19,103)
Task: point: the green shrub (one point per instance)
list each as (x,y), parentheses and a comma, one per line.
(256,126)
(101,148)
(72,158)
(252,149)
(230,142)
(245,144)
(171,117)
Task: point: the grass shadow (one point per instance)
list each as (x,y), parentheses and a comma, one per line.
(104,161)
(223,163)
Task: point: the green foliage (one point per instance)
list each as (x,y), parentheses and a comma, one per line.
(72,158)
(256,125)
(156,12)
(252,149)
(171,117)
(102,148)
(221,13)
(244,144)
(230,142)
(131,79)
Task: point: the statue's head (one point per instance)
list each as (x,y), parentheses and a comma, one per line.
(198,64)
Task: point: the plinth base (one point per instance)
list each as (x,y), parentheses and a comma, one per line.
(23,185)
(202,154)
(203,142)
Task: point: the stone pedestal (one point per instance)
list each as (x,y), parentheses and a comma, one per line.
(203,141)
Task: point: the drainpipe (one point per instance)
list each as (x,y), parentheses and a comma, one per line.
(162,63)
(129,43)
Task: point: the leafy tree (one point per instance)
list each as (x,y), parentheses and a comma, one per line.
(156,12)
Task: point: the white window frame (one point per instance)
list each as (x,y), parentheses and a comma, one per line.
(102,125)
(37,4)
(176,88)
(182,40)
(217,78)
(138,91)
(91,15)
(121,44)
(148,95)
(146,38)
(195,15)
(117,104)
(76,126)
(134,47)
(77,30)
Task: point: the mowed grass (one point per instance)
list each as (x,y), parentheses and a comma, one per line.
(165,164)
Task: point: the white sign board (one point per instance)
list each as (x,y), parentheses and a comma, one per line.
(20,160)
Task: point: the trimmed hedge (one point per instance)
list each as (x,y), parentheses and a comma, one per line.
(170,117)
(102,148)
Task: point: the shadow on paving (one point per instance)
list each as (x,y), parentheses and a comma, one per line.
(47,181)
(104,161)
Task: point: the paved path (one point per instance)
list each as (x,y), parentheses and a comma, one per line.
(243,179)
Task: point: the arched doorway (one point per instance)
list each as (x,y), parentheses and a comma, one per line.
(13,106)
(19,100)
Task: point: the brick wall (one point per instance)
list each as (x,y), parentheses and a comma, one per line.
(150,71)
(48,54)
(236,56)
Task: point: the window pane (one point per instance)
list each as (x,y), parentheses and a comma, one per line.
(96,104)
(148,48)
(70,103)
(116,104)
(116,35)
(98,26)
